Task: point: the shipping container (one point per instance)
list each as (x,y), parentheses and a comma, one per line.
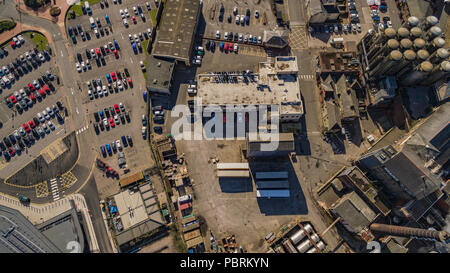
(271,175)
(272,193)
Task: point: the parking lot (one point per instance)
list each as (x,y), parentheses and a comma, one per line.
(118,80)
(34,92)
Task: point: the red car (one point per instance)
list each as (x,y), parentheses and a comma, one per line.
(230,47)
(47,89)
(26,127)
(113,76)
(98,52)
(116,54)
(116,107)
(107,49)
(32,97)
(41,92)
(11,151)
(13,99)
(225,47)
(31,87)
(134,20)
(130,82)
(13,44)
(31,123)
(111,122)
(374,7)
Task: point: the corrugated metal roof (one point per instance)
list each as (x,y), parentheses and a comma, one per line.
(272,193)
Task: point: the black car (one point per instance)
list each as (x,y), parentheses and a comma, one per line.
(126,72)
(35,133)
(19,109)
(80,59)
(230,36)
(122,118)
(157,129)
(102,60)
(213,46)
(96,116)
(130,141)
(107,112)
(112,110)
(7,142)
(60,119)
(36,121)
(102,127)
(88,54)
(158,119)
(236,37)
(12,139)
(96,128)
(208,44)
(127,116)
(2,146)
(103,51)
(59,104)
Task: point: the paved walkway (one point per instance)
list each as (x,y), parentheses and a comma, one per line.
(37,213)
(5,36)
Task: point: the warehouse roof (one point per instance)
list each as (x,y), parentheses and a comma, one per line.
(176,29)
(159,73)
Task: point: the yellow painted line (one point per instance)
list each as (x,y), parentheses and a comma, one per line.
(89,176)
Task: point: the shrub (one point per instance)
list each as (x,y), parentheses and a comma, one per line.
(55,11)
(6,25)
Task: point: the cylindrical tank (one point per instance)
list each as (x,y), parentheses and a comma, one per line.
(415,32)
(439,55)
(433,32)
(392,60)
(435,44)
(299,235)
(320,245)
(408,57)
(405,44)
(303,247)
(388,33)
(402,33)
(410,232)
(418,74)
(422,55)
(374,63)
(373,50)
(412,21)
(429,22)
(438,72)
(419,43)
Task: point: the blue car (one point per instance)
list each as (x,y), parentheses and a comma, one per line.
(107,19)
(254,39)
(101,114)
(103,151)
(79,28)
(116,44)
(70,31)
(134,48)
(6,155)
(108,77)
(124,141)
(108,148)
(221,46)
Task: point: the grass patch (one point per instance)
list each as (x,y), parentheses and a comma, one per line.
(38,39)
(177,241)
(145,46)
(6,25)
(153,13)
(77,7)
(145,73)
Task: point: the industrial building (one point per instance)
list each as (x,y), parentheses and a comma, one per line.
(134,215)
(159,78)
(176,30)
(410,56)
(299,238)
(276,83)
(412,172)
(321,11)
(283,146)
(64,229)
(272,184)
(20,236)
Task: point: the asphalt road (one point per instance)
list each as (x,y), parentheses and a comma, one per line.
(296,12)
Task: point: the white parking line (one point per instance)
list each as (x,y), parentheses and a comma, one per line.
(62,54)
(60,131)
(76,109)
(131,60)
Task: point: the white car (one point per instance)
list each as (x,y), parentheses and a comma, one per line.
(242,19)
(119,146)
(241,37)
(218,34)
(225,36)
(126,13)
(389,24)
(358,26)
(122,14)
(105,91)
(238,18)
(125,22)
(135,10)
(45,114)
(256,13)
(149,32)
(245,38)
(78,67)
(136,39)
(116,119)
(83,66)
(235,47)
(148,6)
(141,63)
(259,40)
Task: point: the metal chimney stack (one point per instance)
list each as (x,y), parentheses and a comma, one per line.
(418,74)
(402,33)
(419,43)
(391,60)
(429,22)
(435,44)
(433,32)
(410,232)
(412,21)
(405,44)
(408,57)
(422,55)
(439,71)
(439,55)
(415,32)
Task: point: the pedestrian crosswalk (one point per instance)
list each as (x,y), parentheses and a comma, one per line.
(306,77)
(54,189)
(82,129)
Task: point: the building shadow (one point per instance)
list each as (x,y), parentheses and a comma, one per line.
(295,204)
(235,184)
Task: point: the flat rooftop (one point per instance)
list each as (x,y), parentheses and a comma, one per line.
(131,208)
(176,29)
(339,62)
(275,84)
